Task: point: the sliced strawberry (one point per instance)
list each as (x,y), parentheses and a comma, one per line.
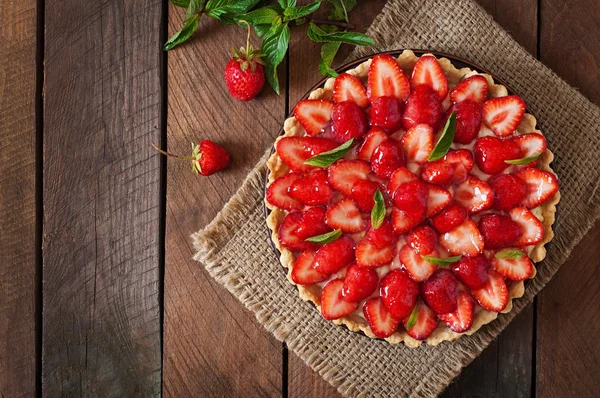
(531,144)
(383,236)
(468,120)
(440,291)
(349,88)
(399,176)
(499,231)
(460,320)
(374,137)
(359,283)
(287,233)
(437,172)
(474,194)
(386,158)
(503,114)
(403,223)
(422,239)
(333,306)
(465,239)
(462,163)
(541,186)
(334,256)
(474,88)
(423,106)
(313,115)
(417,143)
(386,78)
(438,199)
(369,255)
(312,223)
(295,150)
(303,272)
(381,322)
(348,121)
(386,113)
(398,293)
(417,268)
(509,191)
(363,192)
(277,193)
(518,269)
(533,230)
(426,322)
(411,198)
(494,295)
(345,215)
(449,218)
(344,173)
(491,154)
(313,189)
(428,71)
(472,271)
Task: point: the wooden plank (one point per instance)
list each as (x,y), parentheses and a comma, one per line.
(568,329)
(213,345)
(101,316)
(17,198)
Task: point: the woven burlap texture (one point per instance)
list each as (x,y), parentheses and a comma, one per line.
(236,251)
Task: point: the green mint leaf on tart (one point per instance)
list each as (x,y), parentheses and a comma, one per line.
(445,141)
(328,52)
(412,320)
(319,35)
(325,159)
(326,238)
(189,26)
(292,13)
(340,9)
(378,212)
(274,46)
(524,160)
(441,262)
(510,254)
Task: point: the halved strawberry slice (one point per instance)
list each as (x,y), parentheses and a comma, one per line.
(516,269)
(374,137)
(295,150)
(313,189)
(437,172)
(383,236)
(401,222)
(426,322)
(462,163)
(423,106)
(449,218)
(312,223)
(494,295)
(349,88)
(438,199)
(398,293)
(381,322)
(303,272)
(334,256)
(422,239)
(359,283)
(474,194)
(533,230)
(313,115)
(474,88)
(499,231)
(541,186)
(531,144)
(333,306)
(369,255)
(503,114)
(344,173)
(460,320)
(399,176)
(465,239)
(417,143)
(418,269)
(428,71)
(386,158)
(363,192)
(491,154)
(345,215)
(277,192)
(386,78)
(287,233)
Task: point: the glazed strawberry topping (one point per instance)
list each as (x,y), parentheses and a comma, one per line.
(393,231)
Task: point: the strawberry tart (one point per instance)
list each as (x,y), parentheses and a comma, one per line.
(410,199)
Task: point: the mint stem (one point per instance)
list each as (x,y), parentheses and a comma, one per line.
(334,23)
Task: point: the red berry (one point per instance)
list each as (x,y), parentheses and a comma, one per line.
(386,78)
(312,190)
(411,198)
(303,272)
(374,137)
(295,150)
(499,231)
(474,88)
(509,191)
(312,223)
(438,172)
(468,120)
(334,256)
(472,271)
(313,115)
(422,239)
(423,106)
(449,218)
(386,113)
(208,157)
(440,291)
(244,78)
(386,158)
(333,306)
(491,153)
(359,283)
(383,236)
(381,322)
(428,71)
(348,120)
(362,193)
(398,293)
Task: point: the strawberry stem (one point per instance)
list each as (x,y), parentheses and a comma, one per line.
(171,155)
(241,21)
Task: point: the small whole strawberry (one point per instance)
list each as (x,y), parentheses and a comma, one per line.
(244,74)
(207,157)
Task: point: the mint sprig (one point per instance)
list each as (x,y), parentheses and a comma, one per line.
(326,238)
(445,141)
(378,212)
(412,319)
(509,254)
(441,262)
(524,160)
(325,159)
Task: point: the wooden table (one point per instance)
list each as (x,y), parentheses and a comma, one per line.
(99,295)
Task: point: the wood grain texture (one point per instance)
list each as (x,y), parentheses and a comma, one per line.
(212,345)
(17,198)
(101,315)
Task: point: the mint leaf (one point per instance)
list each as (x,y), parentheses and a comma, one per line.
(445,140)
(274,46)
(412,319)
(524,160)
(510,254)
(326,238)
(195,7)
(340,9)
(189,27)
(181,3)
(378,212)
(226,11)
(328,52)
(440,262)
(319,35)
(292,13)
(287,3)
(262,29)
(262,16)
(325,159)
(272,78)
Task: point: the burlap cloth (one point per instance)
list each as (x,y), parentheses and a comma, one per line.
(236,251)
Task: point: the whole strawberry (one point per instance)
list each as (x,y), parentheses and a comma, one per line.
(207,157)
(244,74)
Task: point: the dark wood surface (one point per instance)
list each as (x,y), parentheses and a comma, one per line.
(107,197)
